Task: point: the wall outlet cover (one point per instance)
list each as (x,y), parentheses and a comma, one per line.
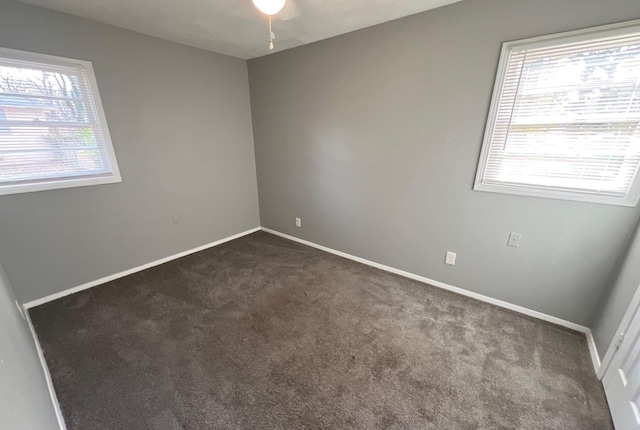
(514,240)
(450,258)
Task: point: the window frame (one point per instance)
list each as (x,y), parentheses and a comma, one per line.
(78,181)
(633,195)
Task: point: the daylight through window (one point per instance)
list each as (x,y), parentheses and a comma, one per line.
(53,133)
(565,118)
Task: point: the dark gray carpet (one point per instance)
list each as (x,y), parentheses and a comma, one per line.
(265,333)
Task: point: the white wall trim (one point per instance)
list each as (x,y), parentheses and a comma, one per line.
(634,307)
(593,350)
(100,281)
(516,308)
(47,375)
(520,309)
(608,357)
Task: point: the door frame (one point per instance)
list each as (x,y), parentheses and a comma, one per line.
(620,333)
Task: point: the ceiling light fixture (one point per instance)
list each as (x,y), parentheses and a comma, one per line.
(269,8)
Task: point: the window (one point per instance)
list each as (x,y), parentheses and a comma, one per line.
(53,133)
(565,118)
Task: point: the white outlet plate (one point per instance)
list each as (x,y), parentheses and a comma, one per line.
(514,240)
(298,222)
(176,218)
(450,258)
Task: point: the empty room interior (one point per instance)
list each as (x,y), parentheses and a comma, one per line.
(304,214)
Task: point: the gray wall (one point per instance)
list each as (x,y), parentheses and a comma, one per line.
(180,121)
(615,299)
(373,139)
(24,397)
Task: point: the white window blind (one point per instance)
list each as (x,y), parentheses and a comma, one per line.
(565,118)
(53,133)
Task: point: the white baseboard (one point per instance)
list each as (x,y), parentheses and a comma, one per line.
(608,357)
(100,281)
(47,375)
(530,312)
(516,308)
(593,350)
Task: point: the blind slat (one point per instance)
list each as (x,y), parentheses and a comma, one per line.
(568,117)
(50,128)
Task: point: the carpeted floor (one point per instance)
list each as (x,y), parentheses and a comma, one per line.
(265,333)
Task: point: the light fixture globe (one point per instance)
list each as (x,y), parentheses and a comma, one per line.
(269,7)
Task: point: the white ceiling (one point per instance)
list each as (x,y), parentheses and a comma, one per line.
(235,27)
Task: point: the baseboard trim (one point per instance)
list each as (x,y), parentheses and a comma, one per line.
(516,308)
(47,375)
(593,350)
(608,357)
(106,279)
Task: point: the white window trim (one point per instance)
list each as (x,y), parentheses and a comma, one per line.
(632,197)
(53,184)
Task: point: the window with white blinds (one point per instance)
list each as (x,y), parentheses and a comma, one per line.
(565,118)
(53,132)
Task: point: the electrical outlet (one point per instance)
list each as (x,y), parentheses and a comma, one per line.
(514,240)
(176,218)
(450,259)
(298,222)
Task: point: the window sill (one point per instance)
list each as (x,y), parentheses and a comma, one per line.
(59,184)
(519,190)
